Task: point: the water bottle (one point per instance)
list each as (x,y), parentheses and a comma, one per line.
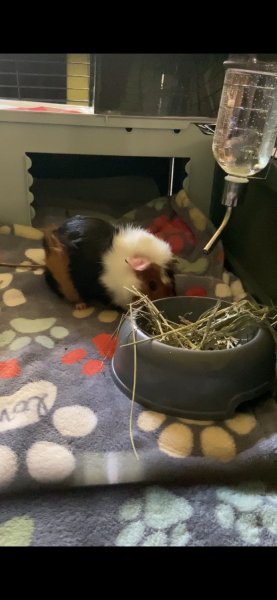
(246,126)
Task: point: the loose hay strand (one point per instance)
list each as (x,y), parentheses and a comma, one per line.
(134,386)
(122,318)
(22,266)
(105,357)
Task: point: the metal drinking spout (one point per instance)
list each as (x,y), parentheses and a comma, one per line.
(207,249)
(234,189)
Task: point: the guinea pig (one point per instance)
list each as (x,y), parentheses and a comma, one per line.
(90,259)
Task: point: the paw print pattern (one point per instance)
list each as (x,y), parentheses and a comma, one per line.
(249,510)
(17,532)
(105,344)
(46,461)
(9,368)
(157,518)
(178,437)
(23,326)
(14,296)
(5,280)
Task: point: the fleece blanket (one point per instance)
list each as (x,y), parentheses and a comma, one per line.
(64,424)
(143,515)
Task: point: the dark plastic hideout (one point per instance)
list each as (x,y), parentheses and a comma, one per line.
(198,384)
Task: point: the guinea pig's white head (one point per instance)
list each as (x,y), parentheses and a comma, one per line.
(137,258)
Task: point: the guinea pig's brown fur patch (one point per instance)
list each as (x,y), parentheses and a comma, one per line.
(57,262)
(156,282)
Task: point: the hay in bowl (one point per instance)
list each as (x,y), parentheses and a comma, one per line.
(205,382)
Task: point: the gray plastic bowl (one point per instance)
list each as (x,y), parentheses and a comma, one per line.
(197,384)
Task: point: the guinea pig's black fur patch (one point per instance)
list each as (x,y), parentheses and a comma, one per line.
(86,239)
(52,282)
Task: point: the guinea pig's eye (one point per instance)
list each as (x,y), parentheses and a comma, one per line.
(153,285)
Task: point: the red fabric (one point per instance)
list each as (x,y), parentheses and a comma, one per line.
(174,231)
(9,368)
(195,291)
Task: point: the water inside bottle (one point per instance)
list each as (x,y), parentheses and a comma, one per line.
(246,125)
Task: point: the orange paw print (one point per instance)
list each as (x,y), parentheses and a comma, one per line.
(9,368)
(179,437)
(105,343)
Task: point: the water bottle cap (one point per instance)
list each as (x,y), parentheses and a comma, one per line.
(249,62)
(236,179)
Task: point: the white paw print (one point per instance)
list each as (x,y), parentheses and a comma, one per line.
(46,461)
(157,518)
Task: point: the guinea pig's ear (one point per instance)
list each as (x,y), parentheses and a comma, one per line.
(138,263)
